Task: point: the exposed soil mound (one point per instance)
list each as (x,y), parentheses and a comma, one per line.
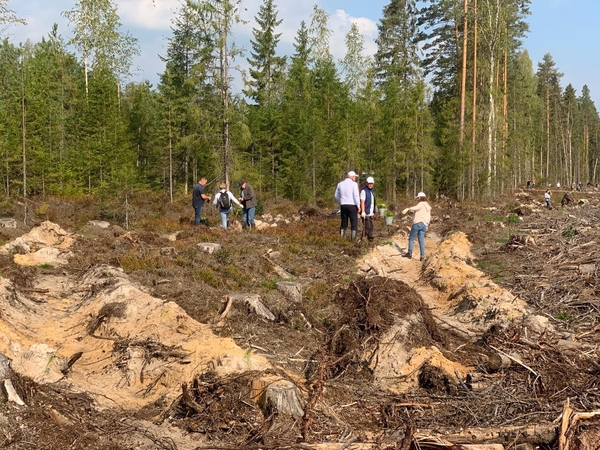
(104,334)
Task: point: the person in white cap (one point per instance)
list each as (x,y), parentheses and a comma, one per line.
(346,195)
(367,206)
(421,221)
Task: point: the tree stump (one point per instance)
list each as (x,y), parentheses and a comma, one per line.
(290,290)
(8,223)
(251,301)
(208,247)
(6,375)
(276,393)
(520,240)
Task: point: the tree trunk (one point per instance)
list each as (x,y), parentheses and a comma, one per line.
(474,113)
(463,83)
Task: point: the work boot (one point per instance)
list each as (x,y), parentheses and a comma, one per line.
(422,258)
(244,226)
(353,234)
(342,232)
(407,255)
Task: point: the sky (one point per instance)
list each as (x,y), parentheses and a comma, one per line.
(567,29)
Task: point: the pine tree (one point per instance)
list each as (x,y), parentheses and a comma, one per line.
(263,88)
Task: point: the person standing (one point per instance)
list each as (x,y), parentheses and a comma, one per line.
(224,200)
(421,221)
(347,196)
(249,202)
(367,206)
(198,199)
(547,196)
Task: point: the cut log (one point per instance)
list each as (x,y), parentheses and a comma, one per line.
(533,434)
(280,394)
(290,290)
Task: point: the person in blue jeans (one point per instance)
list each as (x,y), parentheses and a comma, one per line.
(198,199)
(421,221)
(249,202)
(224,200)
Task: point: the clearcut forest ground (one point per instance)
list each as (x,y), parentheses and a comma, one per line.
(551,264)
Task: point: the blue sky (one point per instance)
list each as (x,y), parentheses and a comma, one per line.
(567,29)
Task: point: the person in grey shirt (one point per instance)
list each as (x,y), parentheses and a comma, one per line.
(249,202)
(347,196)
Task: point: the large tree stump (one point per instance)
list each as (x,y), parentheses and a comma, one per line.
(290,290)
(276,393)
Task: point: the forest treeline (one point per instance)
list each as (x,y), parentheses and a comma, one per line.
(450,103)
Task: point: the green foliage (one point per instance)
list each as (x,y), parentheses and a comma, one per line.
(512,218)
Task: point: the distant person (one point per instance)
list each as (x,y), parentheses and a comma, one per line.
(367,206)
(198,199)
(248,200)
(528,184)
(547,196)
(420,224)
(533,183)
(566,200)
(347,196)
(558,185)
(224,200)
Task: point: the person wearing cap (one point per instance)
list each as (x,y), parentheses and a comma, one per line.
(248,200)
(367,206)
(347,196)
(198,199)
(421,221)
(223,211)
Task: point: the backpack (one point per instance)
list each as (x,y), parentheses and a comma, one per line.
(224,200)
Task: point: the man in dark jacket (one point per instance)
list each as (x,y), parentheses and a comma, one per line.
(198,199)
(249,202)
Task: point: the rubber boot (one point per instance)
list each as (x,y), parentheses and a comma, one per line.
(342,232)
(353,235)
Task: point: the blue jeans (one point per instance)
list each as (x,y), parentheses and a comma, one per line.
(224,216)
(198,214)
(249,216)
(418,229)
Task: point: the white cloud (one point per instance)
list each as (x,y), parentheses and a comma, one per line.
(148,14)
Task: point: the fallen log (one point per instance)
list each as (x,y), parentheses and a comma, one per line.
(532,434)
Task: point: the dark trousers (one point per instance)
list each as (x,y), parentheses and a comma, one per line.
(197,215)
(369,227)
(349,212)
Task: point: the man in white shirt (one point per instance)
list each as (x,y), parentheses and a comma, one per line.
(347,196)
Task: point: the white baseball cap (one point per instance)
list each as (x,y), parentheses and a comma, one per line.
(421,194)
(352,174)
(370,180)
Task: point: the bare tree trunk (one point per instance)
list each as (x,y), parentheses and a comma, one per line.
(547,131)
(170,156)
(474,113)
(463,82)
(23,126)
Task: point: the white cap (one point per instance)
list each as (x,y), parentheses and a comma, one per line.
(352,174)
(370,180)
(421,194)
